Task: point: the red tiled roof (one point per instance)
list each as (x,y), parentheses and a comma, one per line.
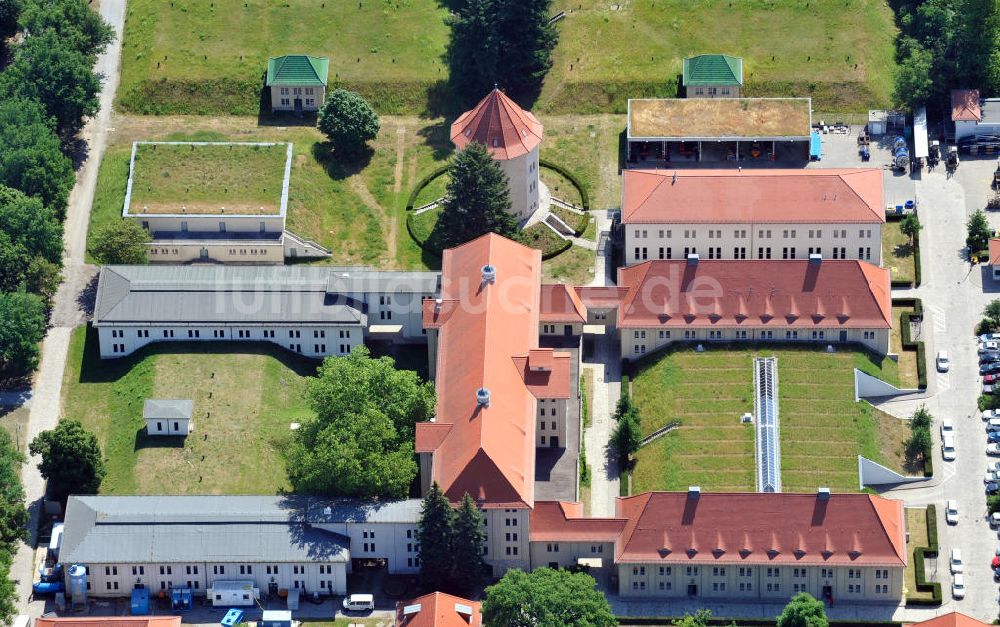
(552,521)
(951,619)
(601,297)
(762,528)
(438,609)
(965,106)
(843,294)
(994,251)
(507,130)
(752,196)
(490,450)
(110,621)
(561,303)
(545,373)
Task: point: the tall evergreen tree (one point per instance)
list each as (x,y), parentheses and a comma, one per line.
(472,50)
(477,199)
(434,534)
(467,549)
(525,40)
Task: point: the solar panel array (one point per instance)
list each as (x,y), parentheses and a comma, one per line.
(768,446)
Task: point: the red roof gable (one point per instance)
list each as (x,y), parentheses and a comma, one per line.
(952,619)
(489,451)
(561,303)
(552,521)
(965,106)
(843,294)
(438,609)
(994,251)
(545,373)
(753,196)
(507,130)
(762,528)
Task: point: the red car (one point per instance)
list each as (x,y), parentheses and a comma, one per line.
(995,563)
(991,378)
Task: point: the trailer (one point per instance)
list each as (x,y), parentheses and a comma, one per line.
(920,145)
(233,593)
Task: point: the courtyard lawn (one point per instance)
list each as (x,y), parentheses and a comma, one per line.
(916,536)
(240,178)
(898,252)
(907,359)
(190,57)
(245,397)
(822,428)
(840,53)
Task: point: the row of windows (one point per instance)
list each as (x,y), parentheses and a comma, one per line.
(162,251)
(761,233)
(641,253)
(298,91)
(309,102)
(541,425)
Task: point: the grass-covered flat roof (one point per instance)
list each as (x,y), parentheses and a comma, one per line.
(719,118)
(207,178)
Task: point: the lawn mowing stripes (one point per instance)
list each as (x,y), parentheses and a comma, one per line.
(766,405)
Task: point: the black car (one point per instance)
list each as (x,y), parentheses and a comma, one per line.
(992,487)
(990,357)
(989,368)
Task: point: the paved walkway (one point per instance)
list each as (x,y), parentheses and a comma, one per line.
(67,313)
(604,482)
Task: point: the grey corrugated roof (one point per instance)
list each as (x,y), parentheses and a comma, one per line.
(219,294)
(135,529)
(990,110)
(168,409)
(354,280)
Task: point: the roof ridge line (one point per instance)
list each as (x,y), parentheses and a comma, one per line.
(843,174)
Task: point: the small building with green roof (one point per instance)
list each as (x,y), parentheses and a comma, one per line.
(713,76)
(297,82)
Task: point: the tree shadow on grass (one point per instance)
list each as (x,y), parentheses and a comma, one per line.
(902,251)
(97,370)
(438,138)
(340,166)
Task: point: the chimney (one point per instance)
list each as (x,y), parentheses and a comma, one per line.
(483,397)
(693,259)
(489,274)
(694,492)
(823,494)
(437,305)
(815,259)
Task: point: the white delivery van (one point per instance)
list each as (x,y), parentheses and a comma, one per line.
(359,603)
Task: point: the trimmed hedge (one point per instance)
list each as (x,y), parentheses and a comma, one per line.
(419,242)
(424,182)
(919,554)
(625,386)
(743,622)
(907,341)
(584,198)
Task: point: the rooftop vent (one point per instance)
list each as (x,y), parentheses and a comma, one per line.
(483,397)
(437,304)
(815,258)
(694,492)
(823,494)
(489,274)
(693,259)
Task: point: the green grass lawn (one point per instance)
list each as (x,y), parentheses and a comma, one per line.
(822,428)
(907,359)
(916,535)
(241,178)
(840,53)
(898,252)
(245,397)
(15,421)
(188,57)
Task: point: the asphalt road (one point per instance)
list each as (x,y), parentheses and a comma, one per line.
(67,314)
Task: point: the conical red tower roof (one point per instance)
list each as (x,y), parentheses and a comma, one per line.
(507,130)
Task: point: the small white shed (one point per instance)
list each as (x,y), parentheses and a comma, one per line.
(168,417)
(276,618)
(233,593)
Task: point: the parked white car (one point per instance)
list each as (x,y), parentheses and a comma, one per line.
(948,452)
(986,337)
(993,467)
(943,363)
(993,424)
(990,414)
(991,345)
(951,512)
(993,449)
(955,563)
(995,522)
(958,586)
(947,427)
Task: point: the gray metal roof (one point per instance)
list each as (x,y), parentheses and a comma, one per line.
(138,529)
(990,110)
(355,280)
(167,409)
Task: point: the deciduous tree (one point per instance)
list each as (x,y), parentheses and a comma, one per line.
(477,199)
(31,160)
(121,241)
(71,459)
(57,75)
(546,598)
(30,233)
(910,226)
(9,11)
(435,531)
(73,21)
(22,327)
(348,121)
(978,226)
(803,610)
